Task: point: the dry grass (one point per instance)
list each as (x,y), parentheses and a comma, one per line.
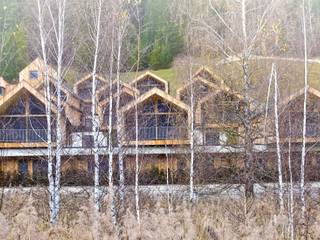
(25,216)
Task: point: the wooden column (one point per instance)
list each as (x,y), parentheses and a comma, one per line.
(30,167)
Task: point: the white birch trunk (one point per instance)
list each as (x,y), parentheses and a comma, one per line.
(119,120)
(267,105)
(59,37)
(136,185)
(274,73)
(191,136)
(94,115)
(110,124)
(167,182)
(247,121)
(192,110)
(291,201)
(303,152)
(47,94)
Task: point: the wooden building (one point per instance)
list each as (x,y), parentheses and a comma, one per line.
(164,123)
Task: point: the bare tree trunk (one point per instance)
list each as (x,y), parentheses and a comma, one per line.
(119,120)
(59,52)
(291,200)
(192,109)
(303,152)
(191,136)
(96,11)
(94,115)
(136,188)
(47,94)
(167,181)
(247,118)
(267,105)
(110,124)
(60,42)
(274,73)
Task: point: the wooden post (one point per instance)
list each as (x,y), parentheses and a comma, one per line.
(30,168)
(27,112)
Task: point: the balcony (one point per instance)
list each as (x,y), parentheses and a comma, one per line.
(23,135)
(162,133)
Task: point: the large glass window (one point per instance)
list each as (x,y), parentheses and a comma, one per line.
(25,121)
(36,107)
(158,120)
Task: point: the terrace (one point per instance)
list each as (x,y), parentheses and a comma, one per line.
(161,120)
(23,120)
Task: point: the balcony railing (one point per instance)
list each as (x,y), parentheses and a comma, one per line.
(23,135)
(162,133)
(312,130)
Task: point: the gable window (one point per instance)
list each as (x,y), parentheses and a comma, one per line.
(33,74)
(1,91)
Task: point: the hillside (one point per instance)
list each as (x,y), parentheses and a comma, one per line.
(290,74)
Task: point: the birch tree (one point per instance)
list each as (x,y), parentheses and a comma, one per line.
(291,200)
(121,27)
(94,115)
(110,123)
(303,151)
(47,94)
(56,11)
(192,103)
(136,188)
(59,34)
(276,116)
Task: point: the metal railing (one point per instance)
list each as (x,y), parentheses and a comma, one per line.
(162,133)
(312,130)
(23,135)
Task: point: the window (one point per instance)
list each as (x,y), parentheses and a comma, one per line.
(34,74)
(2,91)
(163,106)
(87,141)
(36,107)
(23,167)
(212,138)
(40,169)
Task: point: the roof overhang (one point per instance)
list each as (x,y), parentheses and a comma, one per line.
(150,74)
(159,93)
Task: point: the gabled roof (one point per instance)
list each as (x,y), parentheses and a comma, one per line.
(87,78)
(37,64)
(205,69)
(292,97)
(210,96)
(124,90)
(204,81)
(18,89)
(161,94)
(150,74)
(10,97)
(130,89)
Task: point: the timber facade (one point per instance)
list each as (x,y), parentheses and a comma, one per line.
(164,127)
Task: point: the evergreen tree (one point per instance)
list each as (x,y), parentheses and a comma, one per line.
(13,54)
(161,38)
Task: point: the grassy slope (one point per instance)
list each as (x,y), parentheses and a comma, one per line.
(291,76)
